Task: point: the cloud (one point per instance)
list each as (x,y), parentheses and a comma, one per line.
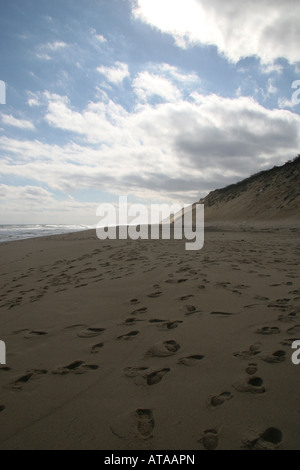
(176,150)
(175,73)
(10,120)
(99,37)
(44,50)
(271,68)
(165,81)
(285,103)
(28,193)
(43,56)
(147,85)
(34,99)
(238,29)
(272,90)
(33,102)
(55,46)
(115,74)
(32,204)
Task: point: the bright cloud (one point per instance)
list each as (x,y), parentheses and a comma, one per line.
(285,103)
(238,29)
(176,150)
(20,123)
(115,74)
(175,74)
(147,85)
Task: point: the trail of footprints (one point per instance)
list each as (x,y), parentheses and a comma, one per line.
(71,273)
(76,367)
(249,382)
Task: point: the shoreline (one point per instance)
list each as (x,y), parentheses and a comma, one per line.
(210,226)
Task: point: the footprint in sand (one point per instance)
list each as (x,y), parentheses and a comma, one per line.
(261,298)
(155,294)
(145,424)
(191,310)
(130,335)
(165,348)
(19,383)
(131,321)
(2,408)
(253,384)
(30,334)
(170,325)
(95,349)
(220,399)
(90,332)
(146,376)
(290,317)
(73,327)
(295,330)
(155,377)
(135,371)
(253,350)
(186,297)
(274,358)
(139,311)
(77,367)
(270,439)
(191,361)
(34,334)
(221,314)
(252,306)
(134,301)
(288,341)
(251,369)
(210,439)
(268,330)
(223,284)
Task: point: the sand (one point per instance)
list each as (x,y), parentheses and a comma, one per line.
(120,345)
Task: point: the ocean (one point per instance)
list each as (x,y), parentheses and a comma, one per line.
(10,233)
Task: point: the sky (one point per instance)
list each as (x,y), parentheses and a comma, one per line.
(161,101)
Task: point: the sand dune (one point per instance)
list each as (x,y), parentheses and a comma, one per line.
(143,345)
(271,195)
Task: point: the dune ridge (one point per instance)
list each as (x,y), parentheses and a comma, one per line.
(271,195)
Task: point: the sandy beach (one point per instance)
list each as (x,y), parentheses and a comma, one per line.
(120,345)
(149,115)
